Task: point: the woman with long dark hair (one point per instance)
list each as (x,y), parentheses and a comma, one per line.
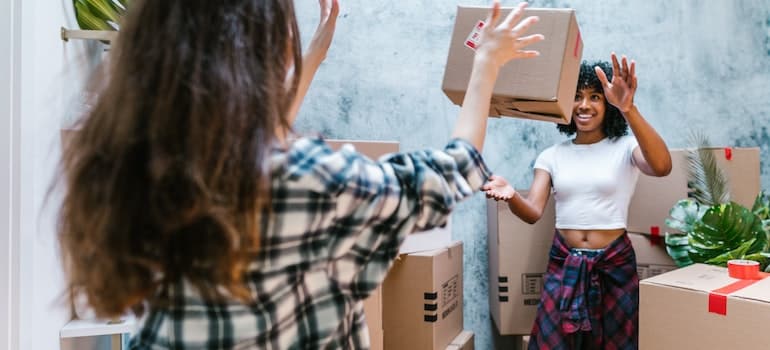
(190,200)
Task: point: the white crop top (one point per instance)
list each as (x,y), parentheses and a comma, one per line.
(592,184)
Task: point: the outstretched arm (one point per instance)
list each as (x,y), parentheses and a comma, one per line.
(315,53)
(529,208)
(652,156)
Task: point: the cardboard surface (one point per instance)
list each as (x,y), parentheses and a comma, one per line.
(423,299)
(654,196)
(518,257)
(674,311)
(541,88)
(651,256)
(416,242)
(463,341)
(373,312)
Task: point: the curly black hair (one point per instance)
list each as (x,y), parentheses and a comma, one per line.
(614,124)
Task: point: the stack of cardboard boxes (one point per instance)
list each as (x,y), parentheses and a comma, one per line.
(420,304)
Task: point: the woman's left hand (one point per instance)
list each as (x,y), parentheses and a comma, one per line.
(620,91)
(324,34)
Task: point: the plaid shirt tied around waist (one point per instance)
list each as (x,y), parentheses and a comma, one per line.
(590,298)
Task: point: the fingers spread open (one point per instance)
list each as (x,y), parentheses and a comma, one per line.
(529,40)
(524,25)
(514,16)
(602,77)
(494,16)
(615,66)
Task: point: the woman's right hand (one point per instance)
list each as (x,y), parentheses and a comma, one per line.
(498,188)
(502,41)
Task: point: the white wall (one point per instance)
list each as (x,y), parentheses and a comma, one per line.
(8,175)
(37,81)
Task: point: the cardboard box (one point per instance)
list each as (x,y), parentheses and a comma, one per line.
(674,311)
(463,341)
(518,258)
(371,149)
(416,242)
(423,299)
(654,196)
(373,312)
(541,88)
(651,256)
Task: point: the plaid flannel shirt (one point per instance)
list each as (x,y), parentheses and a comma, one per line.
(589,300)
(338,219)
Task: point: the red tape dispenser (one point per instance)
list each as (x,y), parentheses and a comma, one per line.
(743,269)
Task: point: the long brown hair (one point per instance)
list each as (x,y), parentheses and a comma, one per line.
(166,178)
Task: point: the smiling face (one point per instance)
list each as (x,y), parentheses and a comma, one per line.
(588,110)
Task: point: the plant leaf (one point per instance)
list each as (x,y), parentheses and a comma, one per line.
(724,228)
(684,214)
(677,246)
(707,181)
(87,20)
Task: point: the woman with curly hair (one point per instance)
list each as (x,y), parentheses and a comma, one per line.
(591,289)
(189,199)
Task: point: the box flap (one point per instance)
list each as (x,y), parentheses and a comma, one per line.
(451,248)
(698,277)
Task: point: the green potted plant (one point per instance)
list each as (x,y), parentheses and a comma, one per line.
(99,14)
(714,229)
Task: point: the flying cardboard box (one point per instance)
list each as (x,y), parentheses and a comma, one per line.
(540,88)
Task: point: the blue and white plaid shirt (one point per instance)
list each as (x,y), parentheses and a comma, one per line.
(338,220)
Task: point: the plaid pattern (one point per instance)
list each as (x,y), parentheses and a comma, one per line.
(338,220)
(590,299)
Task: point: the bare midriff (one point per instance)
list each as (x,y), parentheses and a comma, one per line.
(590,239)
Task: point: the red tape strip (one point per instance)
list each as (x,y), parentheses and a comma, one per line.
(655,238)
(718,297)
(577,45)
(728,153)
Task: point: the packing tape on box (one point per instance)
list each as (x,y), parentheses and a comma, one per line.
(743,269)
(655,238)
(747,273)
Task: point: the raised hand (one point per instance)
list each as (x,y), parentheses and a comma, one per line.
(322,39)
(502,41)
(620,91)
(498,188)
(313,56)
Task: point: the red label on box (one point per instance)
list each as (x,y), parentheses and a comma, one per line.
(475,36)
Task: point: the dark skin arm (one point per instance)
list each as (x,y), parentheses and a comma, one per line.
(652,156)
(529,208)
